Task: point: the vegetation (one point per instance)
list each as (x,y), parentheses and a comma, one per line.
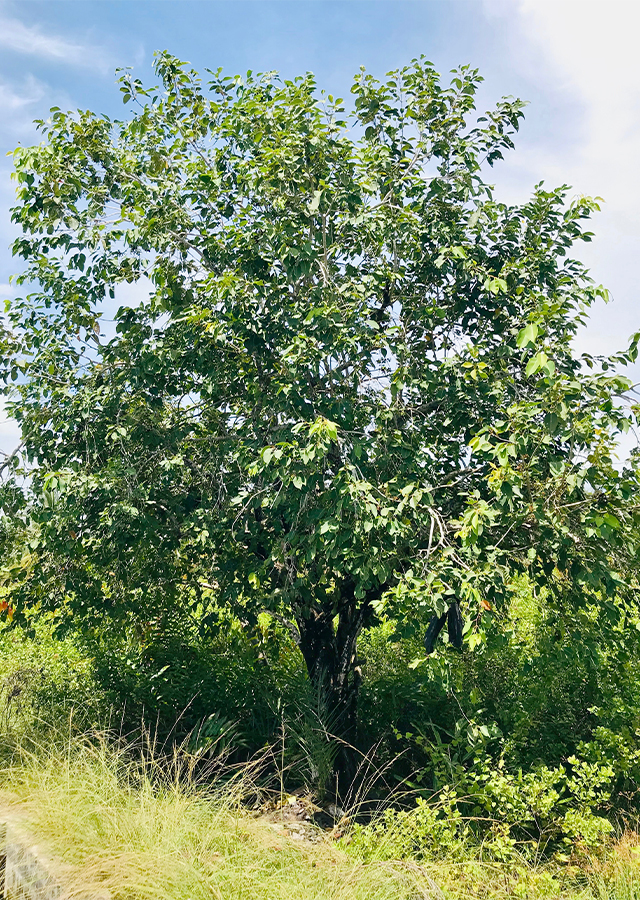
(115,828)
(346,412)
(120,821)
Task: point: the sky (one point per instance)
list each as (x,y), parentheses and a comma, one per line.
(574,61)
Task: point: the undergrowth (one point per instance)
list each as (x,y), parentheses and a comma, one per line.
(126,824)
(122,822)
(511,771)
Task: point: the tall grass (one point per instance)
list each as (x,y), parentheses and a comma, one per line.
(122,827)
(126,825)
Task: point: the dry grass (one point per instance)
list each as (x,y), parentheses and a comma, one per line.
(121,828)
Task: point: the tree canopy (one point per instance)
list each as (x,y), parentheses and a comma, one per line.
(349,389)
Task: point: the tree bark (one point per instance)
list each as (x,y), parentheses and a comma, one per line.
(329,649)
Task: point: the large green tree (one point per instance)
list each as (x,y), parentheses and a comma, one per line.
(349,387)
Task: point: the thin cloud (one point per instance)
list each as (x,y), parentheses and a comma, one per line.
(14,99)
(590,49)
(9,432)
(585,54)
(21,38)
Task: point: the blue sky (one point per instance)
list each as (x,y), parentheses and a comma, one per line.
(575,61)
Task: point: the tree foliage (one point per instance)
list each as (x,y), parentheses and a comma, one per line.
(349,388)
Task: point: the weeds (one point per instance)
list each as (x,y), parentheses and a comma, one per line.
(436,812)
(121,822)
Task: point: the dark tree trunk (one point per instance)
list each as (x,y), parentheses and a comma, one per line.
(329,649)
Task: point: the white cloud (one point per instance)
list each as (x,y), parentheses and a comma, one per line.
(582,56)
(17,102)
(592,47)
(21,38)
(9,432)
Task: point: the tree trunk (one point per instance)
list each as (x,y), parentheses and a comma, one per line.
(330,654)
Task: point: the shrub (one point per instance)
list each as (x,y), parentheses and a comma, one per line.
(46,682)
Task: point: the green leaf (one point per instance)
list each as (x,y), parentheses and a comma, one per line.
(527,336)
(496,285)
(315,202)
(332,430)
(536,363)
(480,444)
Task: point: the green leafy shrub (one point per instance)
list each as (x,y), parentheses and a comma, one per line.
(429,831)
(46,682)
(226,686)
(496,813)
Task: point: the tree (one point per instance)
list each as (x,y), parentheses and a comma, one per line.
(349,388)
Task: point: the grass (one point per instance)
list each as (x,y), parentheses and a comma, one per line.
(121,827)
(116,827)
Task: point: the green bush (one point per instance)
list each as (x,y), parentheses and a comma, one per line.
(181,684)
(46,682)
(496,814)
(535,733)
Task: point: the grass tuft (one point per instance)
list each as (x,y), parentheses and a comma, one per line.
(121,827)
